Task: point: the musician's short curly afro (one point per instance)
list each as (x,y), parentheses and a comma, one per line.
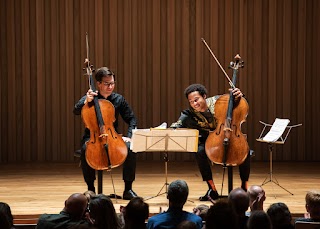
(195,87)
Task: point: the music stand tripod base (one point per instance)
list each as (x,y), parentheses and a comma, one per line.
(271,177)
(166,184)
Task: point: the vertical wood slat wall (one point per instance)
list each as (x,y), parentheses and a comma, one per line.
(155,49)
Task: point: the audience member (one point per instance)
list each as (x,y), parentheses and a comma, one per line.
(221,215)
(201,210)
(102,213)
(259,220)
(312,207)
(187,225)
(239,199)
(6,218)
(135,214)
(280,216)
(89,194)
(256,197)
(177,194)
(71,215)
(4,221)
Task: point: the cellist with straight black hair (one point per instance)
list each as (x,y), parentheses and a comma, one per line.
(105,82)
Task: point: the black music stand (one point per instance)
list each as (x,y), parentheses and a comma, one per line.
(164,140)
(275,136)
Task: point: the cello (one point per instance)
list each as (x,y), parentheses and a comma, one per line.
(227,145)
(105,149)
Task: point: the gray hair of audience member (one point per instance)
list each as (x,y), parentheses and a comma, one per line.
(259,220)
(313,203)
(256,197)
(239,200)
(6,210)
(76,205)
(135,213)
(178,193)
(279,214)
(222,215)
(187,225)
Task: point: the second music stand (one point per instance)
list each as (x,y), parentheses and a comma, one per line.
(164,140)
(276,137)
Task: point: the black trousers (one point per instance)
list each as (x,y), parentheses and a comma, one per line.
(205,167)
(129,166)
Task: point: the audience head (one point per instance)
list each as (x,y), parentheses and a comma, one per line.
(6,215)
(4,221)
(178,193)
(256,197)
(89,194)
(201,210)
(135,213)
(259,220)
(187,225)
(280,215)
(221,215)
(239,200)
(313,204)
(76,205)
(102,213)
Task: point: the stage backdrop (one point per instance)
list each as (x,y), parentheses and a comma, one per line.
(155,49)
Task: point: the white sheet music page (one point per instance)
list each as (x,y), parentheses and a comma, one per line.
(277,129)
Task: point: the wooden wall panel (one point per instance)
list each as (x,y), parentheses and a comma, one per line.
(155,49)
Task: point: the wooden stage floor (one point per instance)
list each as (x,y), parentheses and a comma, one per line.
(38,188)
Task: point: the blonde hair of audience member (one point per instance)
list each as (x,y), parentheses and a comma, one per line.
(256,197)
(313,204)
(201,210)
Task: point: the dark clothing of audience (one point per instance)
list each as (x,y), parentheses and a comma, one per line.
(58,221)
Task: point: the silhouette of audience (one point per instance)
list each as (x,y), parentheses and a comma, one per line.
(6,218)
(259,220)
(177,194)
(187,225)
(256,197)
(221,215)
(312,207)
(102,214)
(89,194)
(201,210)
(72,214)
(280,216)
(135,214)
(239,199)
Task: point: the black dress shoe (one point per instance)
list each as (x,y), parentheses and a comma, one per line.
(211,194)
(128,195)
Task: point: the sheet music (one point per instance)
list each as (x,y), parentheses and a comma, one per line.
(277,129)
(154,139)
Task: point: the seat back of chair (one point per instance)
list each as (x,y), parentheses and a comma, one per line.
(307,225)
